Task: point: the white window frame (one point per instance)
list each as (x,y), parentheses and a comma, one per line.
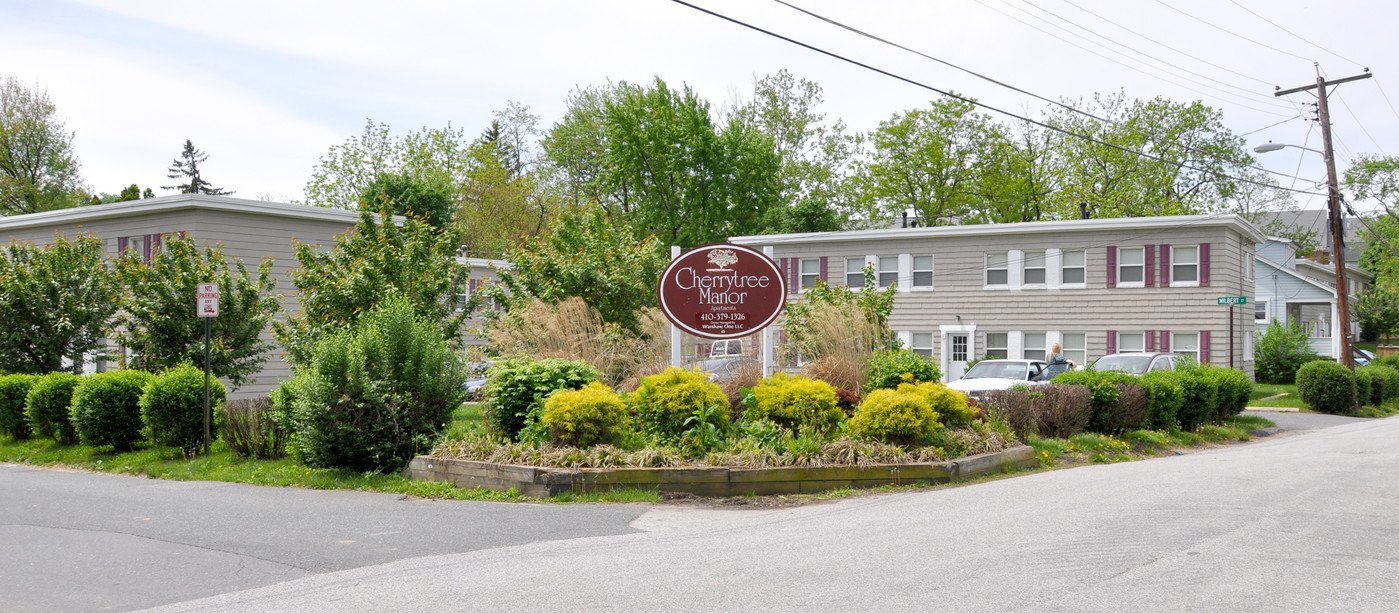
(803,274)
(1041,350)
(1175,344)
(1176,252)
(1248,345)
(1035,257)
(1003,350)
(915,271)
(1122,337)
(858,272)
(1079,352)
(1266,318)
(1140,266)
(886,270)
(1065,266)
(921,343)
(1004,266)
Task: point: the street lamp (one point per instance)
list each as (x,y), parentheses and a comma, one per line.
(1333,201)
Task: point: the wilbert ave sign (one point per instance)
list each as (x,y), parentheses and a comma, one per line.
(722,291)
(1233,300)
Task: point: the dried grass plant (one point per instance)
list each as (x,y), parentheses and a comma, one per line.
(841,338)
(573,330)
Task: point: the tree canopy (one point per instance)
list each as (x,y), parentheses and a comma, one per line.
(186,168)
(38,169)
(56,302)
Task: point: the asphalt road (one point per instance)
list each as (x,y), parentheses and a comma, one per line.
(1305,522)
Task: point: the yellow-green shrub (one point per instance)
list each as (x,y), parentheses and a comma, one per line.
(950,404)
(585,417)
(666,399)
(901,416)
(795,401)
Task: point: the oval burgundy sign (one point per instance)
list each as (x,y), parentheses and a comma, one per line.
(722,291)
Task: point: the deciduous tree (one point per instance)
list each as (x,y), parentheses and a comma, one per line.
(38,169)
(56,302)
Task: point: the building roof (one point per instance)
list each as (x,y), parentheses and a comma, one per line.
(1150,224)
(179,202)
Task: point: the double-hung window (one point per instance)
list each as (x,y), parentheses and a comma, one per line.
(1075,347)
(997,345)
(997,269)
(1035,346)
(1260,312)
(1130,267)
(922,344)
(1131,341)
(888,270)
(810,272)
(1071,269)
(855,272)
(1186,344)
(1185,266)
(1034,268)
(922,271)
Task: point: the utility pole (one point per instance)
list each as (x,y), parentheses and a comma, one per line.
(1338,246)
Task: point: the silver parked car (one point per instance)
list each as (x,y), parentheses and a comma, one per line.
(1136,362)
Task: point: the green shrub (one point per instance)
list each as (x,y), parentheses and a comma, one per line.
(517,389)
(665,401)
(252,429)
(1377,385)
(951,405)
(1327,387)
(173,405)
(1055,410)
(1233,389)
(378,394)
(1111,412)
(902,416)
(588,416)
(1280,351)
(795,401)
(1132,405)
(1199,397)
(47,407)
(1390,376)
(1363,384)
(1164,398)
(106,408)
(887,369)
(14,389)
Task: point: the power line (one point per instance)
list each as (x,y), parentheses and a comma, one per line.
(1386,98)
(968,100)
(1376,143)
(1012,87)
(1231,33)
(1294,34)
(1271,125)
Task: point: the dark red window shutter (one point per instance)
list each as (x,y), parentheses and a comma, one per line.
(1204,346)
(184,234)
(823,269)
(155,244)
(1148,265)
(1112,339)
(146,249)
(794,273)
(1112,275)
(121,246)
(1165,341)
(1165,265)
(787,272)
(1205,266)
(1150,337)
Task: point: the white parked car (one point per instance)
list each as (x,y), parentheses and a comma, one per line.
(989,375)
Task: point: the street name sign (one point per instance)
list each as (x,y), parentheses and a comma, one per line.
(1233,300)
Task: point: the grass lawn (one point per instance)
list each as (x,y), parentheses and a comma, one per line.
(1268,390)
(1090,447)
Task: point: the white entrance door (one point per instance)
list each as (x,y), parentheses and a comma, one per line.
(958,346)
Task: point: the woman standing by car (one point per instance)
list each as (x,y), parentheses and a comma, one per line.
(1057,363)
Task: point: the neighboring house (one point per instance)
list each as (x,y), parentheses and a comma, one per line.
(1318,223)
(1096,286)
(247,229)
(1290,288)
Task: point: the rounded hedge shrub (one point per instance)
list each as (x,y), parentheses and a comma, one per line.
(887,369)
(1199,397)
(518,388)
(901,416)
(107,408)
(586,417)
(1364,383)
(1377,386)
(14,389)
(1327,387)
(793,401)
(1390,376)
(1164,398)
(952,406)
(173,405)
(665,400)
(47,407)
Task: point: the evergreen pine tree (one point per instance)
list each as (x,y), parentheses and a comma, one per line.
(186,167)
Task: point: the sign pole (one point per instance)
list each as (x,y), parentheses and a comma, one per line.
(1231,336)
(767,331)
(208,326)
(206,307)
(675,339)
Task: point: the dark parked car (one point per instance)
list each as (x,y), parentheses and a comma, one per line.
(1136,363)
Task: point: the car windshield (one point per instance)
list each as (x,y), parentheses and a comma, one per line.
(997,370)
(1130,364)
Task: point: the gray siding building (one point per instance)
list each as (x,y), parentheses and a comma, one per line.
(1096,286)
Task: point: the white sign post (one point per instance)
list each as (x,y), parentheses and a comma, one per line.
(206,307)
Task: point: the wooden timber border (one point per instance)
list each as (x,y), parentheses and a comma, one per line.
(540,482)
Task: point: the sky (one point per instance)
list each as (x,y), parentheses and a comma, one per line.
(266,88)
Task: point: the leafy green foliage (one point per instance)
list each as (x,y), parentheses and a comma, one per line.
(370,264)
(106,408)
(158,323)
(1165,396)
(14,390)
(1363,385)
(1235,388)
(667,401)
(38,169)
(376,395)
(890,367)
(173,405)
(251,429)
(435,157)
(1389,389)
(815,341)
(47,407)
(517,388)
(1377,310)
(588,256)
(901,416)
(1327,387)
(794,401)
(410,196)
(585,417)
(1281,350)
(55,303)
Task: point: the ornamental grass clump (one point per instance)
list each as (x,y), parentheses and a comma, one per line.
(106,408)
(794,402)
(667,400)
(14,389)
(585,417)
(47,407)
